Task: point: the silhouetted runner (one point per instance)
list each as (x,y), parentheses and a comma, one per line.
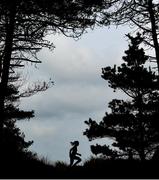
(73,154)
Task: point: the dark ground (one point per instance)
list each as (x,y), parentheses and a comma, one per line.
(93,169)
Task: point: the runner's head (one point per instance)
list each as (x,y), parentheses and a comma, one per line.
(75,143)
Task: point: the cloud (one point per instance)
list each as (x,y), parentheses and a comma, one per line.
(79,91)
(76,70)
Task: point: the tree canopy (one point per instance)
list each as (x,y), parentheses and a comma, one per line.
(24,26)
(132,122)
(141,15)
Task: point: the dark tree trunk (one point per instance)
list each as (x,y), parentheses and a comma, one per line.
(7,58)
(141,125)
(154,33)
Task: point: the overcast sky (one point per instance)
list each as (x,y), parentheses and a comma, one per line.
(78,94)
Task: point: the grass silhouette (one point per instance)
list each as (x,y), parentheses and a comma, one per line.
(35,167)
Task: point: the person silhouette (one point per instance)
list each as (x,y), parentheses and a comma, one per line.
(74,155)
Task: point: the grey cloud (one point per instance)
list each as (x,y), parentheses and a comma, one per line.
(55,144)
(79,92)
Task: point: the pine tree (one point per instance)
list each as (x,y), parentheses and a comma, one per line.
(141,15)
(23,28)
(12,140)
(13,145)
(133,122)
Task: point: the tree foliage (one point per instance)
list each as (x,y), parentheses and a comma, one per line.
(133,122)
(24,26)
(139,14)
(11,138)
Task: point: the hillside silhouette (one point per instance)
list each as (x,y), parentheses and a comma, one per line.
(92,168)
